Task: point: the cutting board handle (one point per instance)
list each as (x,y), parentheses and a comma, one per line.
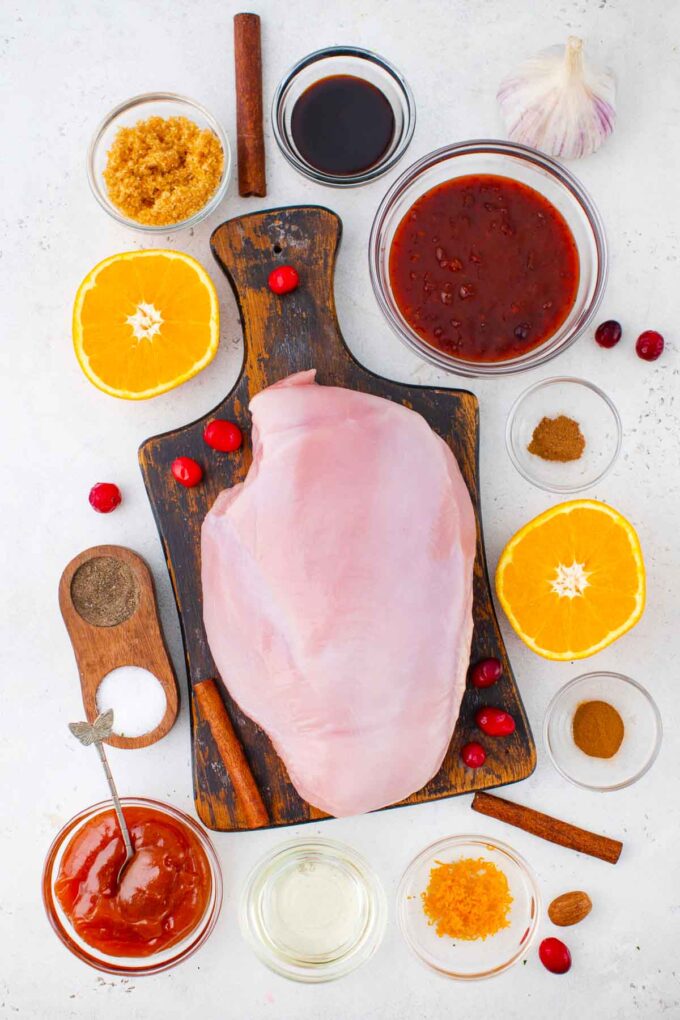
(298,330)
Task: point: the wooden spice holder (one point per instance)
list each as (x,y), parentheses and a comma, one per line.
(136,641)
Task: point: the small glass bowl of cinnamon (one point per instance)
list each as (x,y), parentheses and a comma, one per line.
(159,162)
(602,731)
(563,434)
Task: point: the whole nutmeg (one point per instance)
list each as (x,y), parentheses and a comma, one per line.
(570,908)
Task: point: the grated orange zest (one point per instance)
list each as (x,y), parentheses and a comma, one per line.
(467,899)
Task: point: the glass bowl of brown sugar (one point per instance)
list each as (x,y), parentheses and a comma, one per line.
(159,162)
(563,434)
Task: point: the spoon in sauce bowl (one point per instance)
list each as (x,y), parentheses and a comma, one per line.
(95,733)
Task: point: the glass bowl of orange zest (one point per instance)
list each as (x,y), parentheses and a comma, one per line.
(468,907)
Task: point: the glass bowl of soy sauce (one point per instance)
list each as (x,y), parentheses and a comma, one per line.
(343,116)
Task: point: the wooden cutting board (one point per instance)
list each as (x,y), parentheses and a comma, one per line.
(281,336)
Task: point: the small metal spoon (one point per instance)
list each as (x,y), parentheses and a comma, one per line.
(94,733)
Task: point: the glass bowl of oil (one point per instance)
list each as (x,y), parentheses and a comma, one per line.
(313,910)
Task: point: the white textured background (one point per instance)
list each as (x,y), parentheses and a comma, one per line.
(64,65)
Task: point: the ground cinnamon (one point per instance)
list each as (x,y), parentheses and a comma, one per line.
(558,439)
(597,729)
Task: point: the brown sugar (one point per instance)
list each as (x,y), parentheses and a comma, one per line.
(557,439)
(163,170)
(104,591)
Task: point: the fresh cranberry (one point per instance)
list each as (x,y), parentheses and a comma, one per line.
(608,333)
(649,345)
(555,956)
(186,471)
(486,673)
(222,435)
(473,755)
(283,280)
(495,722)
(104,497)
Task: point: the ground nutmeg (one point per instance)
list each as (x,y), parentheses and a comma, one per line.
(558,439)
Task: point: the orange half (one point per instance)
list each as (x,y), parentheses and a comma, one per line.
(144,322)
(572,580)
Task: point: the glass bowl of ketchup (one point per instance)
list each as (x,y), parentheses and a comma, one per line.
(488,258)
(165,904)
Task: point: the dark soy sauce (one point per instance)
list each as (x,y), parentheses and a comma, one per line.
(342,125)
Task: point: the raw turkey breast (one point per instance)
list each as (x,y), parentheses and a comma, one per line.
(337,592)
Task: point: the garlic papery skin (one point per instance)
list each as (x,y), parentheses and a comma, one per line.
(559,103)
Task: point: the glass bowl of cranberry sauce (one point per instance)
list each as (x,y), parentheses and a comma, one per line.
(488,258)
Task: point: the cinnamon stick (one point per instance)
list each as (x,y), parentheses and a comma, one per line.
(249,132)
(552,829)
(234,760)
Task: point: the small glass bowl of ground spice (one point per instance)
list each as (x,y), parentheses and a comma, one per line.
(602,731)
(468,907)
(159,162)
(563,434)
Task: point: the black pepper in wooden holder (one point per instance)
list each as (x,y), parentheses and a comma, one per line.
(104,591)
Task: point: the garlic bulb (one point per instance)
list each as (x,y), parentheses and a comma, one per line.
(558,103)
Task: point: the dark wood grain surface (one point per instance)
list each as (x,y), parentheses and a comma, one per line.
(281,336)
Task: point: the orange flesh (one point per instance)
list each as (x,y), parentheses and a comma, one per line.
(183,303)
(607,553)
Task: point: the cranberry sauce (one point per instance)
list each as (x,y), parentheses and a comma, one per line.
(484,268)
(342,125)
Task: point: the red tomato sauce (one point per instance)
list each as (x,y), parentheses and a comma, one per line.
(163,892)
(484,268)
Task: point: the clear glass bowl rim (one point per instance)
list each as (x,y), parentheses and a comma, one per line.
(512,413)
(346,965)
(151,97)
(474,840)
(655,712)
(538,356)
(206,925)
(350,180)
